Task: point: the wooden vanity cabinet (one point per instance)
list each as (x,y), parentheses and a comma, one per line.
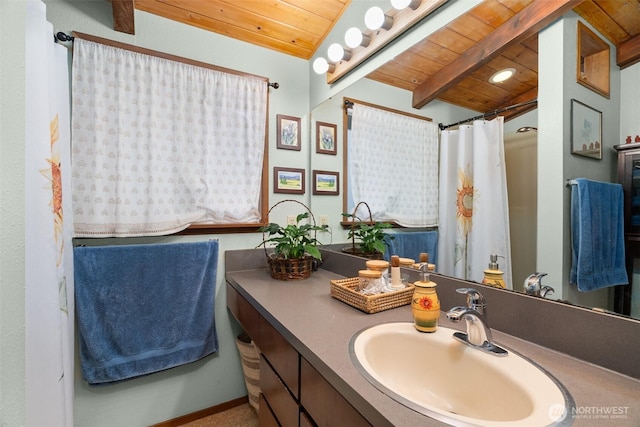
(323,403)
(292,392)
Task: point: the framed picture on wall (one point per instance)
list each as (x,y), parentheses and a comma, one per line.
(288,132)
(326,183)
(326,138)
(586,130)
(288,180)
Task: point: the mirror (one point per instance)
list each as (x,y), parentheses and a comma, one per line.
(550,220)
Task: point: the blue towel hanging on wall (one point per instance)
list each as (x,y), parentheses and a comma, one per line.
(144,308)
(597,234)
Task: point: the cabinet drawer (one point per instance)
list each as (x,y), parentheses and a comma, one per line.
(323,403)
(244,312)
(266,418)
(281,355)
(283,405)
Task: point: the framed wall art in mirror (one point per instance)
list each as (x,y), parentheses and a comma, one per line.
(288,132)
(326,183)
(288,180)
(586,130)
(326,134)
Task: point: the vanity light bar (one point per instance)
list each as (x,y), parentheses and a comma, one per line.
(402,20)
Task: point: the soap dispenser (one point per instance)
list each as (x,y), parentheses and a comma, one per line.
(493,276)
(425,305)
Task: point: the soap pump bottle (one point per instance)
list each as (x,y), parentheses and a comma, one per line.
(425,305)
(493,276)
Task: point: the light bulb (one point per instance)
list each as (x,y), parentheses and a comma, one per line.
(354,38)
(401,4)
(335,52)
(320,65)
(375,18)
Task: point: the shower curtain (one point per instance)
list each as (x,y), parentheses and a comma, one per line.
(473,208)
(48,252)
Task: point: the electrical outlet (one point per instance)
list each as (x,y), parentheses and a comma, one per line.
(291,220)
(324,220)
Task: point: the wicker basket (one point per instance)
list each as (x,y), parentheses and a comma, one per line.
(345,291)
(250,358)
(290,268)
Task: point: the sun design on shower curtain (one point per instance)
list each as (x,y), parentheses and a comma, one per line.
(464,213)
(54,176)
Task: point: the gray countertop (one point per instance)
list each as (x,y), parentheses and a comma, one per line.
(321,327)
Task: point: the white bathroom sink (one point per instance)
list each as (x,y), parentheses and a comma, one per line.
(436,375)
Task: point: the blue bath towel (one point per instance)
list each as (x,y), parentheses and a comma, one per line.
(409,244)
(597,231)
(144,308)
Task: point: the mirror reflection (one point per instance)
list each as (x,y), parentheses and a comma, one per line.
(531,218)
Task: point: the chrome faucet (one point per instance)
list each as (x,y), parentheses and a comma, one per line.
(533,286)
(478,334)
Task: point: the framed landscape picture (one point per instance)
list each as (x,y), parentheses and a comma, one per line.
(326,183)
(326,138)
(288,180)
(288,132)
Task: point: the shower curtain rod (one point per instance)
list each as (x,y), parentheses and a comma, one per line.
(490,113)
(63,37)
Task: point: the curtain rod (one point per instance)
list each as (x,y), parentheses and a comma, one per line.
(490,113)
(63,37)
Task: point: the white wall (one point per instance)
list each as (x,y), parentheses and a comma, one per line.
(630,102)
(12,136)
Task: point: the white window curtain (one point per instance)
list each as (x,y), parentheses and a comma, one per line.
(474,209)
(393,166)
(159,144)
(49,295)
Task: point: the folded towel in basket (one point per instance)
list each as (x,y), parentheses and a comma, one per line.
(144,308)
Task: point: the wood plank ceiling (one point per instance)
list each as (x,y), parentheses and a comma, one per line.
(453,64)
(294,27)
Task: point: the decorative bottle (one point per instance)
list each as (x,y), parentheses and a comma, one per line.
(425,304)
(493,276)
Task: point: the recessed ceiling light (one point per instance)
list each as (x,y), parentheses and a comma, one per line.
(502,75)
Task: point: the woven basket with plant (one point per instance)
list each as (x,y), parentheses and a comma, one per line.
(295,245)
(370,235)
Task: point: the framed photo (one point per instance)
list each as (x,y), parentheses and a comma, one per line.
(586,130)
(288,132)
(326,183)
(287,180)
(326,142)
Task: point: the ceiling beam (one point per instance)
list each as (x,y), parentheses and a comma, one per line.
(123,16)
(628,52)
(528,21)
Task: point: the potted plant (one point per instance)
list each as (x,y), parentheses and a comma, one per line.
(370,235)
(295,247)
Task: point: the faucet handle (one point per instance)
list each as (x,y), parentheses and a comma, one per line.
(475,300)
(533,283)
